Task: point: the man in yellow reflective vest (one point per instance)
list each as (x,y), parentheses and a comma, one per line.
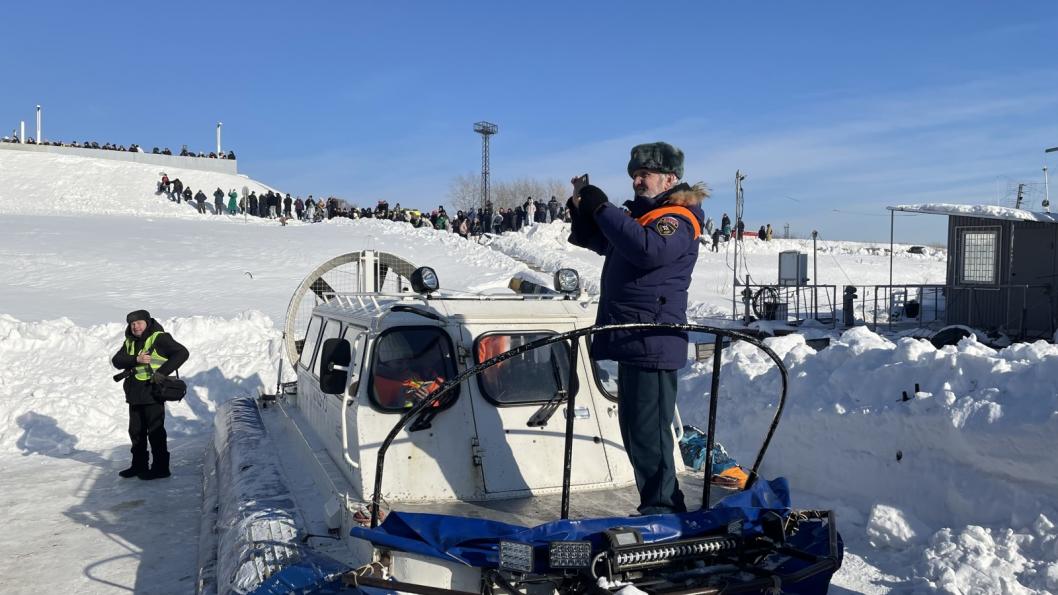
(148,350)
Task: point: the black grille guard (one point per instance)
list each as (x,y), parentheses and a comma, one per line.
(433,404)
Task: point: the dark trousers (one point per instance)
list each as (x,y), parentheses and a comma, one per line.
(645,409)
(147,424)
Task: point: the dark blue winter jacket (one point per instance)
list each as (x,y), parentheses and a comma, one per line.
(645,275)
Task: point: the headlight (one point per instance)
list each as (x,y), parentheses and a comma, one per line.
(424,280)
(567,281)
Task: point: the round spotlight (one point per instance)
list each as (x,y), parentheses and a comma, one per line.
(424,280)
(567,281)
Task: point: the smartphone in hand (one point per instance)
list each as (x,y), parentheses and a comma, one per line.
(578,183)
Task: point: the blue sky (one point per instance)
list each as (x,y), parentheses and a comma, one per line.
(832,109)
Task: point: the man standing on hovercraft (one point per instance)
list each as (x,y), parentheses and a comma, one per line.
(650,251)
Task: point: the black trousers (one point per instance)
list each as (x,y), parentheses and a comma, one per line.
(147,425)
(646,405)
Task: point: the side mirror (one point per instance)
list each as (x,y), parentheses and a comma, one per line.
(336,357)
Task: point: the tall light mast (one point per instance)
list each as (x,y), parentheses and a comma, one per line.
(486,130)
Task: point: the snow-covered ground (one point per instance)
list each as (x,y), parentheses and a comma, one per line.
(953,491)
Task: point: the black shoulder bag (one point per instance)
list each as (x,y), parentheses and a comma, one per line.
(165,388)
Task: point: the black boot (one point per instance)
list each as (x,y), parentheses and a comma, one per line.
(139,465)
(159,468)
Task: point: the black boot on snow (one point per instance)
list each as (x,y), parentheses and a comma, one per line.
(159,469)
(139,465)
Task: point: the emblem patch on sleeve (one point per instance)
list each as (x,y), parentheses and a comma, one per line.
(667,226)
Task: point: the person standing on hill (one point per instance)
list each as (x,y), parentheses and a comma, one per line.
(148,351)
(188,195)
(233,202)
(218,201)
(650,251)
(200,200)
(286,205)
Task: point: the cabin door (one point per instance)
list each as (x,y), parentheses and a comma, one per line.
(1033,263)
(515,456)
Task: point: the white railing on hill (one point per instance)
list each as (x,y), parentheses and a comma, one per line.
(224,166)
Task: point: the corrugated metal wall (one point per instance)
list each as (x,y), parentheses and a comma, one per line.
(1026,254)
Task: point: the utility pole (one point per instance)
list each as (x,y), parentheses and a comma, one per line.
(786,231)
(219,124)
(22,131)
(485,129)
(738,218)
(40,135)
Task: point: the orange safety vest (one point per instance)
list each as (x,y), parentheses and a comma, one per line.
(656,214)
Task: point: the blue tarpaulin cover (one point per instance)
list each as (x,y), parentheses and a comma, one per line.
(475,542)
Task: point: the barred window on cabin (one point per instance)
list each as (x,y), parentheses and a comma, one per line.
(978,249)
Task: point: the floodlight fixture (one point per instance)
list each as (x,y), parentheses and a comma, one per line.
(567,281)
(569,554)
(516,556)
(424,280)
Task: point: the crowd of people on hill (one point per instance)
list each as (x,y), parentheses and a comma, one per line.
(470,223)
(275,205)
(271,205)
(467,224)
(133,148)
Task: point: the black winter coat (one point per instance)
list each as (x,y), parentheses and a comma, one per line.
(138,392)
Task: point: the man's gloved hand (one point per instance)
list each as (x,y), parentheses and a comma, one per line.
(592,198)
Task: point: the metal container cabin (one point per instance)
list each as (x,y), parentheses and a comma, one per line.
(1001,268)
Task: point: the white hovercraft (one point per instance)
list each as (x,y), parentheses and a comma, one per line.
(437,442)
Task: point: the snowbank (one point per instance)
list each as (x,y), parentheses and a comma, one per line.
(56,392)
(921,478)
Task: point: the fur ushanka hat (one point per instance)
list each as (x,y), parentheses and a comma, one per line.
(659,157)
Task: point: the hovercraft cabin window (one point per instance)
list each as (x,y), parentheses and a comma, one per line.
(409,362)
(605,375)
(535,376)
(978,255)
(308,348)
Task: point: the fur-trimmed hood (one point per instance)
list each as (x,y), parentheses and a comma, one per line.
(686,195)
